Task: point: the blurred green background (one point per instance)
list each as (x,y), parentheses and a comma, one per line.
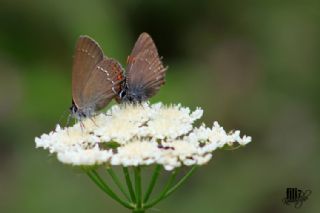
(251,65)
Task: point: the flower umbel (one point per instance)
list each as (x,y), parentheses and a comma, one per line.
(138,135)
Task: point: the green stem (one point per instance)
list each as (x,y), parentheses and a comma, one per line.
(137,179)
(181,181)
(138,211)
(129,183)
(153,181)
(104,187)
(164,191)
(117,182)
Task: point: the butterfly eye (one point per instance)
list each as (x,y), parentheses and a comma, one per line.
(122,93)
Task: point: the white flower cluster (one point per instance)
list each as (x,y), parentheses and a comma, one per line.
(132,135)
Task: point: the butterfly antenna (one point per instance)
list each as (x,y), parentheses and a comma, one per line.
(62,116)
(68,120)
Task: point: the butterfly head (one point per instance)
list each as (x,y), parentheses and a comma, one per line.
(78,113)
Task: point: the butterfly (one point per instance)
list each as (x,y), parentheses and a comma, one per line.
(97,79)
(145,73)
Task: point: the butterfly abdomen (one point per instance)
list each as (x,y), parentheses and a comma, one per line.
(135,94)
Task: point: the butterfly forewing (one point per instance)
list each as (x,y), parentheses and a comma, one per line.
(87,55)
(144,66)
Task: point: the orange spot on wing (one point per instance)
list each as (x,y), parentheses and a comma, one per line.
(130,59)
(119,77)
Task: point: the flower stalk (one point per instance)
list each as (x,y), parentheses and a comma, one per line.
(153,181)
(129,183)
(135,201)
(95,177)
(138,189)
(117,182)
(165,190)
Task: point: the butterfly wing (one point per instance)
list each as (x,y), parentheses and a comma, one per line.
(87,55)
(144,67)
(103,84)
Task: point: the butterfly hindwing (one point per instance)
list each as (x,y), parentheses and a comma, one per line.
(104,83)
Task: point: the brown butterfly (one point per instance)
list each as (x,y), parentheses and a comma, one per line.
(96,79)
(145,73)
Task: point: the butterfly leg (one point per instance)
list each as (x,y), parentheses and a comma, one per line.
(82,125)
(91,118)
